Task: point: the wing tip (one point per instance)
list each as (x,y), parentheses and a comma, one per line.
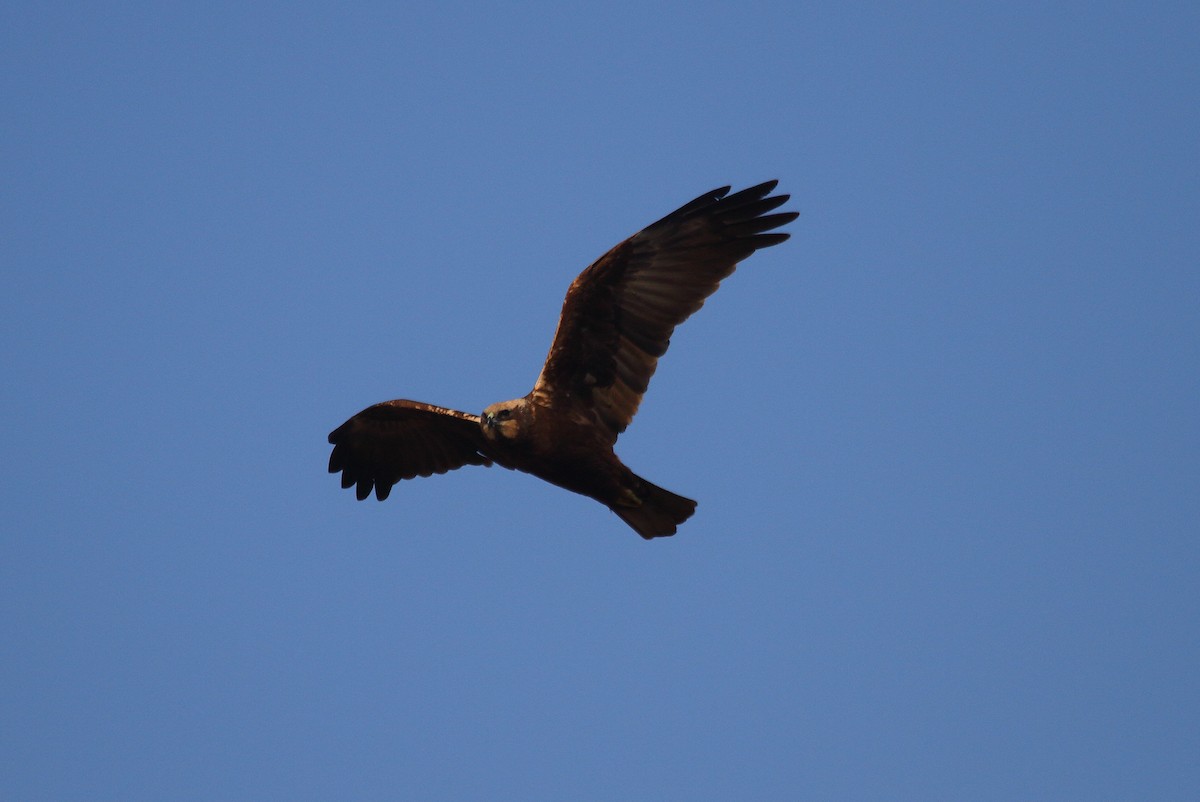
(721,196)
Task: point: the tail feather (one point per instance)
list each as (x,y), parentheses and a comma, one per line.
(659,512)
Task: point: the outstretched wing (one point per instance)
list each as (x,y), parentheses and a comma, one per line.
(619,314)
(400,440)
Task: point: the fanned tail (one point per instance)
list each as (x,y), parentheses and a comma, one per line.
(652,511)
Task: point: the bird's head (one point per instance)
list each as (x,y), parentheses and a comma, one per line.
(505,420)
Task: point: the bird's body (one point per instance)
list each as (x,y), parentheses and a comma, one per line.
(568,449)
(616,322)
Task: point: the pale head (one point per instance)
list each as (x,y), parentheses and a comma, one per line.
(505,420)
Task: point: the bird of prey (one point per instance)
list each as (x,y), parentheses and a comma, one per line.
(616,322)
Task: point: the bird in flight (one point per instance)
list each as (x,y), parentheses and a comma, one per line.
(616,322)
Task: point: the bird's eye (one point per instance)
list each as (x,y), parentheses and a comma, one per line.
(504,414)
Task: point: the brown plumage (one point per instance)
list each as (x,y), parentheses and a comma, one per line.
(616,322)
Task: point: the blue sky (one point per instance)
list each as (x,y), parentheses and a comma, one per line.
(945,440)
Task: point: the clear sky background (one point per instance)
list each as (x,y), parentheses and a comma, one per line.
(946,440)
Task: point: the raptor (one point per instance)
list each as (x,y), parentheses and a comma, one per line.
(616,322)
